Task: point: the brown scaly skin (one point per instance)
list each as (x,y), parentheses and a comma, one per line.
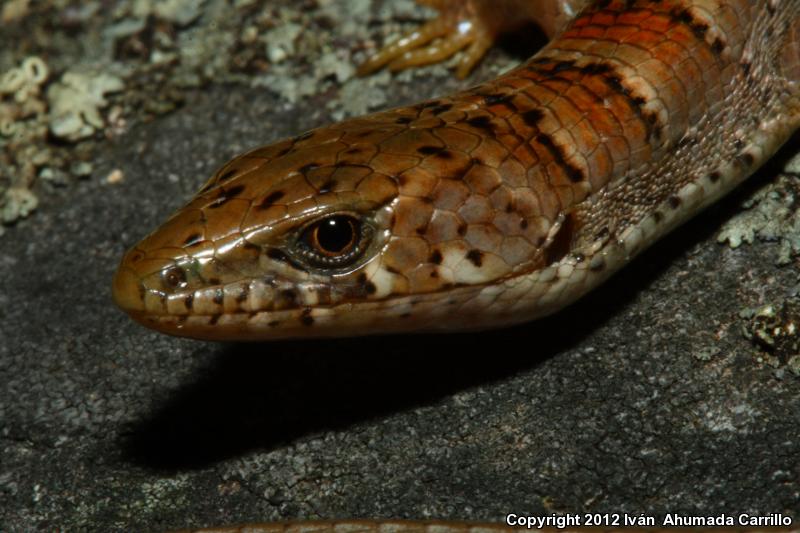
(492,206)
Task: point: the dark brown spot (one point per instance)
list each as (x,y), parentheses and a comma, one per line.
(614,82)
(225,195)
(273,323)
(523,223)
(243,292)
(306,317)
(277,255)
(219,296)
(235,191)
(482,122)
(475,257)
(307,167)
(405,315)
(290,295)
(674,202)
(430,150)
(462,229)
(494,99)
(561,66)
(370,287)
(193,239)
(697,27)
(532,117)
(327,186)
(714,176)
(270,199)
(404,120)
(635,102)
(654,126)
(434,274)
(251,247)
(227,175)
(562,241)
(213,320)
(189,301)
(596,68)
(435,258)
(214,281)
(441,108)
(573,173)
(746,159)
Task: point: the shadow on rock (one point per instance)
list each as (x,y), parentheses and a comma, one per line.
(261,396)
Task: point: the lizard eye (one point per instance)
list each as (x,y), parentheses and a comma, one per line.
(333,241)
(333,236)
(174,278)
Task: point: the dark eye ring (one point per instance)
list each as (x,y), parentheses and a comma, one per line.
(333,241)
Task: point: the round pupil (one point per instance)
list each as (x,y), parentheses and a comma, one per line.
(335,234)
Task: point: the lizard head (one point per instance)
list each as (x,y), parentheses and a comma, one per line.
(369,226)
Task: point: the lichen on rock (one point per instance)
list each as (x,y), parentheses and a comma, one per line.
(75,103)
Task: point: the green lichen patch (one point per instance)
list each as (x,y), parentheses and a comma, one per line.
(770,215)
(775,331)
(22,109)
(76,101)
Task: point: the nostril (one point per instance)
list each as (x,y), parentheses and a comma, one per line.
(174,277)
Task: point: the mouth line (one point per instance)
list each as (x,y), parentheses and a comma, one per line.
(285,308)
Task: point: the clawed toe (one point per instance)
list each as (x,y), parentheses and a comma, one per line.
(435,41)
